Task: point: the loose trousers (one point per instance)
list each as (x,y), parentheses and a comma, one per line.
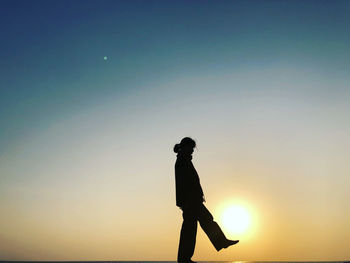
(188,233)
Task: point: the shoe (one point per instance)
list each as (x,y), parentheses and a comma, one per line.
(230,243)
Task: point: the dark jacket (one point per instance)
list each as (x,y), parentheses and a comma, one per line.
(188,187)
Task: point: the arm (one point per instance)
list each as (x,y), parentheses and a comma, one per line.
(182,182)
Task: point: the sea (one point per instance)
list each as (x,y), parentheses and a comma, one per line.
(87,261)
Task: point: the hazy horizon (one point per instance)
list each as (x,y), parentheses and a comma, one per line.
(94,95)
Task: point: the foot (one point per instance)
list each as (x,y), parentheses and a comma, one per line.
(230,243)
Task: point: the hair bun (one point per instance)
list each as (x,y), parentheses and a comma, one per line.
(177,148)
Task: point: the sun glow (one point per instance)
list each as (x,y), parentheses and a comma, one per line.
(236,219)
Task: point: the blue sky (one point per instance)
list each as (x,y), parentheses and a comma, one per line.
(52,52)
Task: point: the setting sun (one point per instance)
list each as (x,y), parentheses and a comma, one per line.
(236,219)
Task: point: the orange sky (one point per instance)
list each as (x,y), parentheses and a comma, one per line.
(85,190)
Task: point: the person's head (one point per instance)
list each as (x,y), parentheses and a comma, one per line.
(186,146)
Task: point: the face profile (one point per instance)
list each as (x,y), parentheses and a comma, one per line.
(187,149)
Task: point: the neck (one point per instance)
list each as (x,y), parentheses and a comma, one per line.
(185,155)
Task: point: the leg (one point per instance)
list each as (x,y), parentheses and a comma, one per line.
(187,236)
(211,228)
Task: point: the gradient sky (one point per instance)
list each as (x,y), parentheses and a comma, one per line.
(86,161)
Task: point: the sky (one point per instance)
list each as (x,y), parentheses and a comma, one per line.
(94,95)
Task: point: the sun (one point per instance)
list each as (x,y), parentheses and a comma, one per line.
(236,219)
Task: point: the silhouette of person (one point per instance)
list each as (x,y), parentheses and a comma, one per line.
(190,198)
